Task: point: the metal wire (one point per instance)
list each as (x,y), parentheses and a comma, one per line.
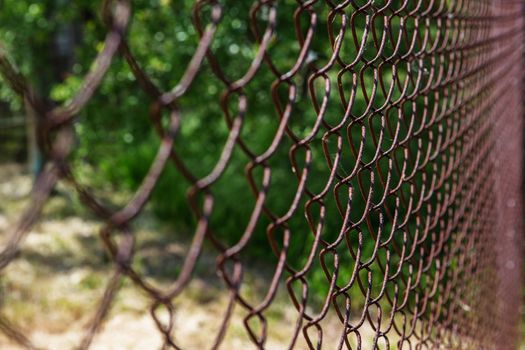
(440,188)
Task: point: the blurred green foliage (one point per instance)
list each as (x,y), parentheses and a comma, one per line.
(116,140)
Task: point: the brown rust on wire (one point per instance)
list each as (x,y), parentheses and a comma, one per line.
(446,127)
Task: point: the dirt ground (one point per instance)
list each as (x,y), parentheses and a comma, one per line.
(52,288)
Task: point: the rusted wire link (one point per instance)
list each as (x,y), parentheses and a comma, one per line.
(422,168)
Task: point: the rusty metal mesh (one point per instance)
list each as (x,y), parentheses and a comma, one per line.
(434,157)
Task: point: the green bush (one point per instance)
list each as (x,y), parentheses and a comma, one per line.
(116,137)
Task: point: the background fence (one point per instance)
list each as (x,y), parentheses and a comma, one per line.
(396,148)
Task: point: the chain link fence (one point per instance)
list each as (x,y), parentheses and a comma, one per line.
(405,134)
